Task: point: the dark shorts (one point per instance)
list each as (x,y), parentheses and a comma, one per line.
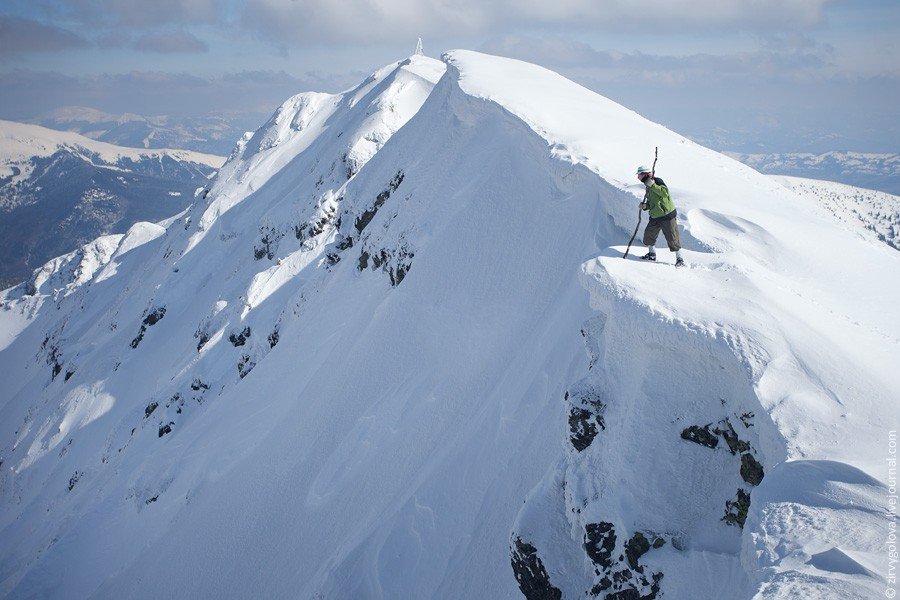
(669,228)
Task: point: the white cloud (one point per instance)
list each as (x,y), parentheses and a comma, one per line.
(170,42)
(564,53)
(27,93)
(300,22)
(141,14)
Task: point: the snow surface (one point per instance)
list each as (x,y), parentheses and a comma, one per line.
(875,215)
(341,374)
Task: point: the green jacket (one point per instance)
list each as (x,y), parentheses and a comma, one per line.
(658,200)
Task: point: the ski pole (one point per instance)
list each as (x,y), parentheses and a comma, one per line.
(640,210)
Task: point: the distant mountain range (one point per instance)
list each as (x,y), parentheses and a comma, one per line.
(58,190)
(866,170)
(213,134)
(217,133)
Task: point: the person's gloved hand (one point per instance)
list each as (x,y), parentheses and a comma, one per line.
(644,206)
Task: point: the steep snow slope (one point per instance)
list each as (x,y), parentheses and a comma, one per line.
(873,214)
(757,348)
(389,325)
(758,341)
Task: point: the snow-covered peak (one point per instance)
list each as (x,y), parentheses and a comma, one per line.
(401,311)
(399,87)
(352,125)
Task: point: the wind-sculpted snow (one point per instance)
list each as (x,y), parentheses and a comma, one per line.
(400,312)
(805,357)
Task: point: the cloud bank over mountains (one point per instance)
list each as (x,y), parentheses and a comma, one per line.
(296,22)
(803,70)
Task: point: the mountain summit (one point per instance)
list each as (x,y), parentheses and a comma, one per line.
(396,353)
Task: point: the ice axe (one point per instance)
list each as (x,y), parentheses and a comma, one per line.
(641,210)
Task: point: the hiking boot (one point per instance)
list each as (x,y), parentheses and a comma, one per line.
(649,256)
(679,262)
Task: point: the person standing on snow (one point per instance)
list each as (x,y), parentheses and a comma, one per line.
(662,216)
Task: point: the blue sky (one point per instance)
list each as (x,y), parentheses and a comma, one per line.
(782,75)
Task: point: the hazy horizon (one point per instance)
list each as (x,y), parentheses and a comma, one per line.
(779,76)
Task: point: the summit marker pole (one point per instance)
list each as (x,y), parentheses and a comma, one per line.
(640,210)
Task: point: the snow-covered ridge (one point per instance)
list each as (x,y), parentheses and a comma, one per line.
(750,241)
(403,309)
(390,96)
(20,142)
